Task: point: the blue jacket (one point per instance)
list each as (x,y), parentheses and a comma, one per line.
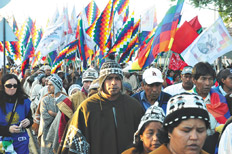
(163,100)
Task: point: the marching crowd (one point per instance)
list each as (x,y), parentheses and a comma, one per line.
(112,111)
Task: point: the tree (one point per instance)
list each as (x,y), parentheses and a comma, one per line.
(224,7)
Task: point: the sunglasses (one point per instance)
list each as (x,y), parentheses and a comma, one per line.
(11,85)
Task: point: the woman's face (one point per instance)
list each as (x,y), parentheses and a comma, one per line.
(150,141)
(10,86)
(188,137)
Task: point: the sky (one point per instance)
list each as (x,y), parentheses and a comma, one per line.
(42,10)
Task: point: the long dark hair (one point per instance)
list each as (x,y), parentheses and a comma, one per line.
(20,94)
(139,144)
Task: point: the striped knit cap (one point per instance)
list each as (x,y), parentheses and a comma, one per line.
(57,82)
(109,67)
(185,106)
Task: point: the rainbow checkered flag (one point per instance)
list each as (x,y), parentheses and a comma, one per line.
(100,29)
(165,33)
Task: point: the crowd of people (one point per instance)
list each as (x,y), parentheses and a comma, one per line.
(112,110)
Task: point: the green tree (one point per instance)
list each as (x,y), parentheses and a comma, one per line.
(224,7)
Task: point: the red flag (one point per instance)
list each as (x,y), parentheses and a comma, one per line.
(176,63)
(195,24)
(185,35)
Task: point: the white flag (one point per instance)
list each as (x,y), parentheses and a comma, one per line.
(147,20)
(88,40)
(51,39)
(211,44)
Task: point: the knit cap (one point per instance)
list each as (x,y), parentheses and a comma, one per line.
(153,113)
(127,86)
(40,77)
(73,87)
(89,75)
(109,67)
(185,106)
(47,67)
(94,85)
(57,82)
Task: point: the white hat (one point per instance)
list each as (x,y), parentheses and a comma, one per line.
(185,106)
(89,75)
(73,87)
(152,75)
(153,113)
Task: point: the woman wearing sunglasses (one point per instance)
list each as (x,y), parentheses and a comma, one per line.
(12,126)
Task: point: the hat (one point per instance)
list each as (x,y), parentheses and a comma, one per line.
(60,71)
(127,86)
(94,85)
(40,77)
(153,113)
(73,87)
(109,67)
(226,72)
(187,70)
(57,82)
(47,67)
(152,75)
(185,106)
(89,75)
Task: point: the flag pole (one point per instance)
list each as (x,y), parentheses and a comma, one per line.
(4,40)
(166,62)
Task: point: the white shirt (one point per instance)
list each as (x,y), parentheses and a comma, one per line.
(175,89)
(225,144)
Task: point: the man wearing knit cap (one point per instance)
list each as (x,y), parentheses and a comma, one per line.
(152,90)
(88,76)
(48,112)
(71,103)
(35,95)
(47,70)
(107,119)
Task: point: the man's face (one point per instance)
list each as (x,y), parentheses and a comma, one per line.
(227,83)
(51,88)
(187,81)
(203,85)
(43,81)
(152,90)
(48,72)
(112,84)
(86,85)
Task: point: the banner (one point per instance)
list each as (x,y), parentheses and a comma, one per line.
(51,39)
(211,44)
(176,63)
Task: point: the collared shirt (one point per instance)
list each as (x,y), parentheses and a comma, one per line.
(161,101)
(144,100)
(213,121)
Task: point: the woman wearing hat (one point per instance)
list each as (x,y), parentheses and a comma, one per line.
(184,128)
(145,139)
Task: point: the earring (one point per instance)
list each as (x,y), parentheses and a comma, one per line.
(169,137)
(141,140)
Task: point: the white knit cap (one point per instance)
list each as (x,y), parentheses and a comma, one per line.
(153,113)
(185,106)
(89,75)
(73,87)
(57,82)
